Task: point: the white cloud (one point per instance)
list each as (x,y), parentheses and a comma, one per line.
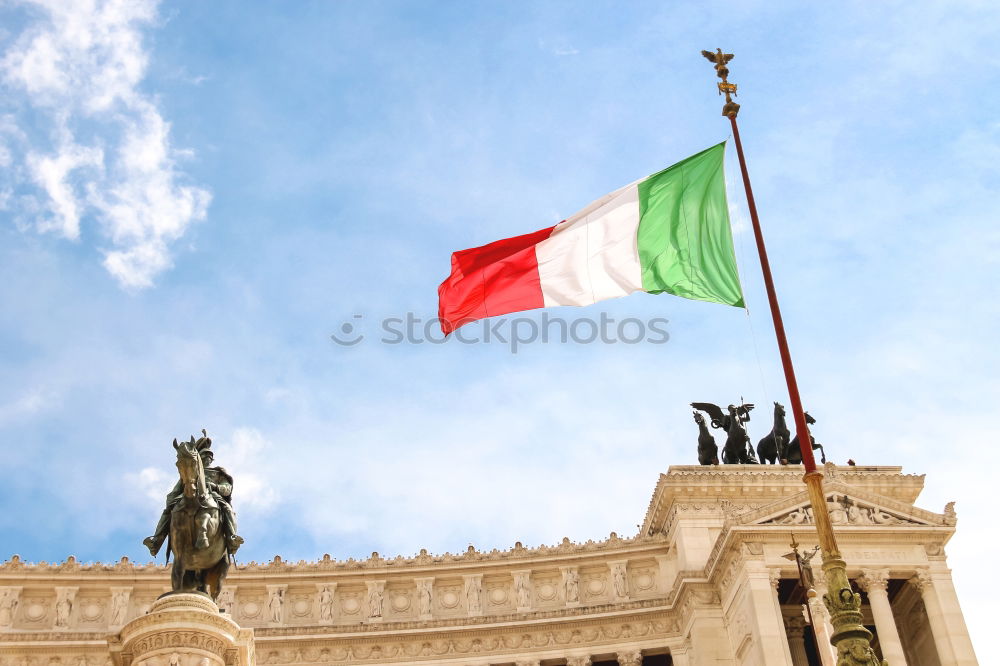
(52,174)
(246,454)
(151,483)
(29,403)
(79,65)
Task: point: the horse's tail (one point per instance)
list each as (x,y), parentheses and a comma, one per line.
(168,548)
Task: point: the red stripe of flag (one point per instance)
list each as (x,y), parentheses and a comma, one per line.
(491,280)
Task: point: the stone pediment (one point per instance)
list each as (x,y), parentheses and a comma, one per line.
(751,486)
(847,506)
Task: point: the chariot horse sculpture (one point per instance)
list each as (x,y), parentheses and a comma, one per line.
(197,540)
(794,452)
(737,448)
(771,448)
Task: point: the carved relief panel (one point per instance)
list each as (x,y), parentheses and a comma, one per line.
(498,597)
(448,598)
(400,601)
(92,612)
(251,609)
(351,600)
(34,612)
(299,608)
(547,592)
(594,586)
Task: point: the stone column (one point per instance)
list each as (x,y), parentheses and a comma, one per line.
(578,660)
(629,657)
(923,582)
(762,585)
(182,630)
(795,628)
(874,582)
(954,621)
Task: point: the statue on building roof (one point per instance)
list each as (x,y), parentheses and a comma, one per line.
(708,450)
(794,455)
(737,448)
(199,520)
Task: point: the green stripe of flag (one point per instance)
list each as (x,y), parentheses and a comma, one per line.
(684,238)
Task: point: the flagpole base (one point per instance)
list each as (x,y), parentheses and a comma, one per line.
(852,640)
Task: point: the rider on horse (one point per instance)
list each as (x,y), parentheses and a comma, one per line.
(220,484)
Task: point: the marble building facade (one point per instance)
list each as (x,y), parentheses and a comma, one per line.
(705,582)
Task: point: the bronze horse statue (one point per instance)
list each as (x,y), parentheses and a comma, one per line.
(772,447)
(794,452)
(737,448)
(708,450)
(201,560)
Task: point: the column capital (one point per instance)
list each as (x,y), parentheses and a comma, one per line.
(629,657)
(774,576)
(921,580)
(578,660)
(795,626)
(527,662)
(873,579)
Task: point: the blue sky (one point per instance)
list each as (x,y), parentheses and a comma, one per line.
(195,196)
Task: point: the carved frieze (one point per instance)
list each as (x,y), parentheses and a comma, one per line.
(180,639)
(844,510)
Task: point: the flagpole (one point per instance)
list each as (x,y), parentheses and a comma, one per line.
(852,640)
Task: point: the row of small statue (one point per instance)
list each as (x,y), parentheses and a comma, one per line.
(776,447)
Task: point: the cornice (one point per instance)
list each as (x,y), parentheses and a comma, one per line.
(423,562)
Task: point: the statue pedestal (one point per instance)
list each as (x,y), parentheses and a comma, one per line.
(182,630)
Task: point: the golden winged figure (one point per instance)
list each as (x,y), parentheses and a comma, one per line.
(719,58)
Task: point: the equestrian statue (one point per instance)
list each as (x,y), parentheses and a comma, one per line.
(737,448)
(199,521)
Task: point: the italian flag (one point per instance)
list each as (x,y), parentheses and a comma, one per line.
(668,233)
